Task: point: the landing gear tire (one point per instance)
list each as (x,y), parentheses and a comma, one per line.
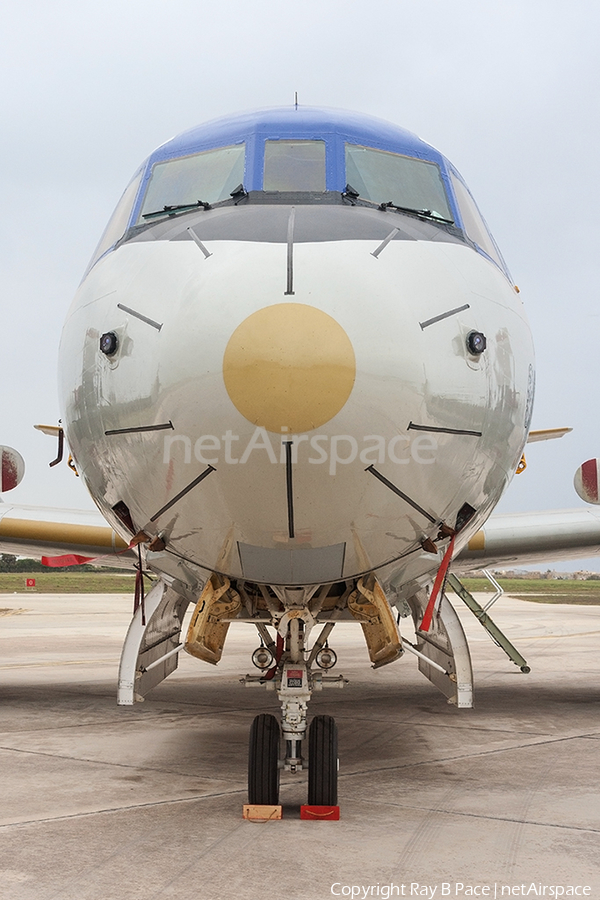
(263,761)
(322,762)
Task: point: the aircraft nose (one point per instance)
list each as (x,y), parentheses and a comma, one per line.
(289,367)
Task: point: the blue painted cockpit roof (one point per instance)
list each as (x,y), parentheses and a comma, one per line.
(334,127)
(303,123)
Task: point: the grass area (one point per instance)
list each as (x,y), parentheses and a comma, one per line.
(542,590)
(535,590)
(67,583)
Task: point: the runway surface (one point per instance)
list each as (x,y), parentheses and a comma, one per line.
(100,802)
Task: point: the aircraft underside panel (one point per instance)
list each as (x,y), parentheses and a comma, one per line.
(292,566)
(445,644)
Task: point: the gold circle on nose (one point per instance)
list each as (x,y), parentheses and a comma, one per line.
(289,367)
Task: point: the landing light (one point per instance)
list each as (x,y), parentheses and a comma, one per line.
(326,658)
(109,343)
(476,342)
(262,658)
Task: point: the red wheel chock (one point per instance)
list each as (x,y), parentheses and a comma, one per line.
(320,813)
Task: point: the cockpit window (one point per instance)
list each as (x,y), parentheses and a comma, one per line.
(473,222)
(294,166)
(384,177)
(119,219)
(209,176)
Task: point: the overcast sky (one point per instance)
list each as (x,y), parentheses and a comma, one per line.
(508,91)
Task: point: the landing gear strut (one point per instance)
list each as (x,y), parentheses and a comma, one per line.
(294,682)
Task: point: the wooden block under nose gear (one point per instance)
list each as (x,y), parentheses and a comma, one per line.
(261,813)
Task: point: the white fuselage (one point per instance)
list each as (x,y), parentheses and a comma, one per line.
(406,374)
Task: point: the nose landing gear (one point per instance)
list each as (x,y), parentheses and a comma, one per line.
(294,682)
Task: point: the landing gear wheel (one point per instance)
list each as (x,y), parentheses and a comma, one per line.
(263,764)
(322,762)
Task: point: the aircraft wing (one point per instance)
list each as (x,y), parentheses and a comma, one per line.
(542,434)
(517,538)
(35,532)
(521,539)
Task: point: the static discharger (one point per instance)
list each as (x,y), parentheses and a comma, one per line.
(400,493)
(289,487)
(445,315)
(182,493)
(138,315)
(412,426)
(385,242)
(141,429)
(197,240)
(289,291)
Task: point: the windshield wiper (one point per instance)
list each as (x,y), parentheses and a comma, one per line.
(351,194)
(428,213)
(173,210)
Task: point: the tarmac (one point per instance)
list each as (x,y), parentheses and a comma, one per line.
(100,802)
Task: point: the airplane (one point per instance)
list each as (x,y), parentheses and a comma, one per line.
(296,379)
